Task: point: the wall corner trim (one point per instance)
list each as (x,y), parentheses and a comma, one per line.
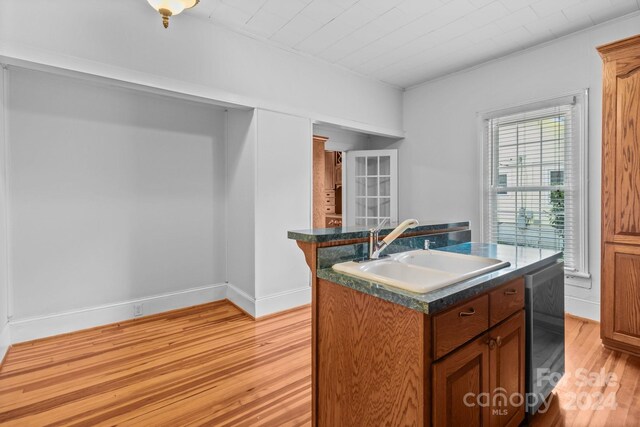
(270,304)
(5,342)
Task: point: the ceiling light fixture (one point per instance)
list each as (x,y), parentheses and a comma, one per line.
(168,8)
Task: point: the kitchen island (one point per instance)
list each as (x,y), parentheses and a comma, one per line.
(386,356)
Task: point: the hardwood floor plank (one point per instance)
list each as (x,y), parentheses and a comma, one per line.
(212,361)
(214,365)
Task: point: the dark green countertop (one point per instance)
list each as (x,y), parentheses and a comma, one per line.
(523,260)
(345,233)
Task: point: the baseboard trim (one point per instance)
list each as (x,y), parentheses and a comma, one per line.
(582,308)
(241,299)
(33,328)
(5,342)
(265,306)
(283,301)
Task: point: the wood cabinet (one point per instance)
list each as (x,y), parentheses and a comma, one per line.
(620,281)
(483,382)
(507,371)
(459,324)
(458,381)
(329,170)
(327,185)
(379,363)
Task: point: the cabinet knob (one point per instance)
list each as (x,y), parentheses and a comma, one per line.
(492,343)
(510,292)
(499,341)
(471,312)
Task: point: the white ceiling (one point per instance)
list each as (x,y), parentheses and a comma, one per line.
(406,42)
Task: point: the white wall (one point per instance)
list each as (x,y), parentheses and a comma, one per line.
(114,195)
(4,283)
(241,206)
(283,202)
(440,158)
(342,139)
(116,36)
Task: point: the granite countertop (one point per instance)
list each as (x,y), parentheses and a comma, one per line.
(345,233)
(523,260)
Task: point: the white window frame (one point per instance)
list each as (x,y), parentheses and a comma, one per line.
(582,277)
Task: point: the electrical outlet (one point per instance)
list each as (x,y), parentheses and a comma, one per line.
(137,310)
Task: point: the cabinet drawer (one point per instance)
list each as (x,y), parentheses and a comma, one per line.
(459,324)
(330,201)
(333,222)
(329,209)
(329,193)
(506,300)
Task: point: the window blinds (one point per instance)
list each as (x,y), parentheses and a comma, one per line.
(531,188)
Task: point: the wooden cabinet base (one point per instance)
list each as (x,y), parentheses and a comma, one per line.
(621,347)
(370,365)
(373,362)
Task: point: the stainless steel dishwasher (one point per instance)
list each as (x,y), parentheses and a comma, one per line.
(544,301)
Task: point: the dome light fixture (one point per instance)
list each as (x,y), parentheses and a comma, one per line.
(168,8)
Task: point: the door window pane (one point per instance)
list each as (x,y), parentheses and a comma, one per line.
(385,187)
(361,206)
(385,165)
(372,207)
(372,166)
(372,187)
(385,207)
(361,169)
(361,190)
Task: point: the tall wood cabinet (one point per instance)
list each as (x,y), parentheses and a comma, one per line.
(620,287)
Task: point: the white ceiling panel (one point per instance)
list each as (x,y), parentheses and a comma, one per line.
(406,42)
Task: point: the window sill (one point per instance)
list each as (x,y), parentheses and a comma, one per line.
(577,281)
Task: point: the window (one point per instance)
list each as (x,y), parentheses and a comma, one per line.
(556,177)
(534,180)
(502,182)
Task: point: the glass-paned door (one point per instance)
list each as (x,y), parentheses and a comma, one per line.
(372,187)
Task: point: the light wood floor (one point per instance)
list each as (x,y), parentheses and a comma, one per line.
(213,365)
(207,365)
(576,400)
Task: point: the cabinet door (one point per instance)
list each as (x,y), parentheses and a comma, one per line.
(460,381)
(621,143)
(329,170)
(507,366)
(621,296)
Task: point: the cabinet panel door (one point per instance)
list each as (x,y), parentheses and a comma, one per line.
(458,383)
(621,148)
(507,365)
(329,170)
(621,294)
(627,157)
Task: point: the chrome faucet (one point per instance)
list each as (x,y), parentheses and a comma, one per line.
(377,246)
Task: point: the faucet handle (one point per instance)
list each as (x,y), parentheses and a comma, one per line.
(380,225)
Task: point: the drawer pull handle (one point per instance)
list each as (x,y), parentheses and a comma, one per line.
(510,292)
(471,312)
